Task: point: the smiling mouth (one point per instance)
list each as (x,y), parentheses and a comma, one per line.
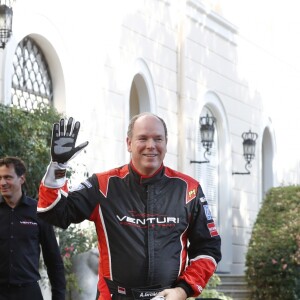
(150,155)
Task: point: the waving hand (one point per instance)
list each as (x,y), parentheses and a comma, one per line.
(63,142)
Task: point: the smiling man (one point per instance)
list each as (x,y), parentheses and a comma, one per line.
(155,236)
(21,235)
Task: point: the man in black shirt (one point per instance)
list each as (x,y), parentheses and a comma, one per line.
(22,234)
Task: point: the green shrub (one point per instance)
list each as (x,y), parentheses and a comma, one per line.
(210,290)
(28,135)
(273,257)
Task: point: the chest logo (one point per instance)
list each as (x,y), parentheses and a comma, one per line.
(148,221)
(28,223)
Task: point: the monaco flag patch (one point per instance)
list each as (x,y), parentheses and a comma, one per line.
(212,229)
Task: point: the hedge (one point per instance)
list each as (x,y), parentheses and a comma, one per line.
(273,257)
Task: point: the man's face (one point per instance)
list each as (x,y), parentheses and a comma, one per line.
(10,183)
(148,144)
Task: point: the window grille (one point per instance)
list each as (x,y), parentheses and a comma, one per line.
(31,80)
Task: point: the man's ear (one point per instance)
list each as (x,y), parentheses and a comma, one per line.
(22,179)
(128,142)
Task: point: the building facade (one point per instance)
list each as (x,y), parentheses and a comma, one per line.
(180,59)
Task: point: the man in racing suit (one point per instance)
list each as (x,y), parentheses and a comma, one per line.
(155,231)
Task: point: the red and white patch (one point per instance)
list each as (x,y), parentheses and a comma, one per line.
(121,290)
(212,229)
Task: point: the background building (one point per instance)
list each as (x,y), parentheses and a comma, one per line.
(103,62)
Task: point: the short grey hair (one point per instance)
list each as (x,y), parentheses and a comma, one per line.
(134,118)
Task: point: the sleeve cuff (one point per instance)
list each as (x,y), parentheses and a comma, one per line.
(187,288)
(55,176)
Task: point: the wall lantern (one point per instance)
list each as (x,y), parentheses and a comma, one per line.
(249,143)
(6,16)
(207,131)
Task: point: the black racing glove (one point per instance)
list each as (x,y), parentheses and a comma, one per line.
(63,141)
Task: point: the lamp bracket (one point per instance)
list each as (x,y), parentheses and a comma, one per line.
(202,161)
(199,162)
(247,166)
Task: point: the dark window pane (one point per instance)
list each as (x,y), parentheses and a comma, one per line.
(31,79)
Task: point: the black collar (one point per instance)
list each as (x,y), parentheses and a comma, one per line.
(146,180)
(24,200)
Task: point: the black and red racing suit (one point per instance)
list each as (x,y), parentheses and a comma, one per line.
(151,230)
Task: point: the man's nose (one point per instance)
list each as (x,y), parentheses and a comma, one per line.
(150,143)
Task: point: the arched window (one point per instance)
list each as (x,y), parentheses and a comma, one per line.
(31,80)
(267,161)
(142,93)
(215,176)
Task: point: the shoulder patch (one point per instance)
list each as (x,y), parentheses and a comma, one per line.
(207,212)
(203,200)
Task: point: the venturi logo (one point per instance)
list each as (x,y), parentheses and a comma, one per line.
(148,220)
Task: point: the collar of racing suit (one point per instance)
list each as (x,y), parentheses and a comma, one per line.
(146,180)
